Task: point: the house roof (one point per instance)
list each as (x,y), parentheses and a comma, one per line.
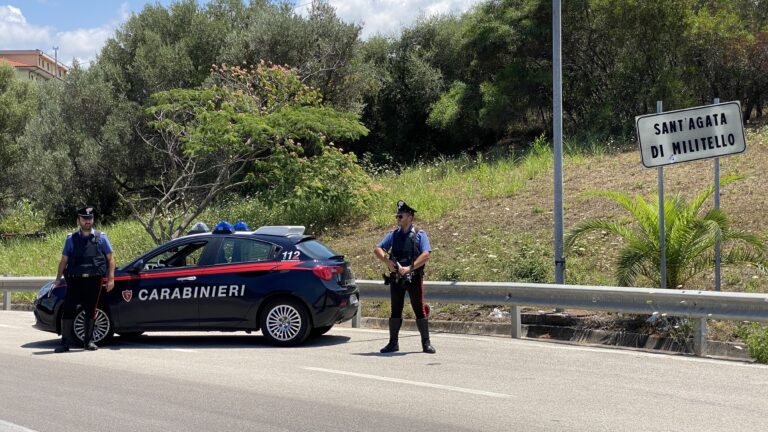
(15,63)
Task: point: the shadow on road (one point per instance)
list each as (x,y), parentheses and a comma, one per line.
(192,342)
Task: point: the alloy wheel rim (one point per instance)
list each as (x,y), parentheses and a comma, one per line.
(100,326)
(283,322)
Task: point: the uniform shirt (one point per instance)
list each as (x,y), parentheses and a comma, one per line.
(422,241)
(104,246)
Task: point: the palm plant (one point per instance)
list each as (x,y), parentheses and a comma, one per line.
(689,236)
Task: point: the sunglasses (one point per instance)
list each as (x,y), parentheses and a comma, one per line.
(400,216)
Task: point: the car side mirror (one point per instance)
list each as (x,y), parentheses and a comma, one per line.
(137,267)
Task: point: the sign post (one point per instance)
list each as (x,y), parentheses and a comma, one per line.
(685,135)
(662,226)
(717,206)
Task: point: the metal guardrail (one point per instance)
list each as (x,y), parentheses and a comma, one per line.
(10,284)
(695,304)
(698,305)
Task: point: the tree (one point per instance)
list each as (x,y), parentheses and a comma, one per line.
(78,146)
(206,138)
(690,236)
(18,104)
(320,46)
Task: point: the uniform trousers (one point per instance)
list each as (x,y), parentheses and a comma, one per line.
(415,289)
(81,291)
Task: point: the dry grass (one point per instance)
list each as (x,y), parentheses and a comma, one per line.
(490,231)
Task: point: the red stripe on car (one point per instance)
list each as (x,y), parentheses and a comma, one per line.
(233,268)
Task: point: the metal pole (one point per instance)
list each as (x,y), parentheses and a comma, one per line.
(517,327)
(662,239)
(56,61)
(557,126)
(717,206)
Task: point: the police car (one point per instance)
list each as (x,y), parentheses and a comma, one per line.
(276,279)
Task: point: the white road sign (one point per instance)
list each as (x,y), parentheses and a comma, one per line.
(690,134)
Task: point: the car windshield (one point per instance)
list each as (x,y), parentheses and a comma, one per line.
(179,256)
(317,250)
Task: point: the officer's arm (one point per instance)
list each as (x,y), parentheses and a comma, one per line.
(381,254)
(110,271)
(62,266)
(420,260)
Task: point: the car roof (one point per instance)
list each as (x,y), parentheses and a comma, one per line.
(293,233)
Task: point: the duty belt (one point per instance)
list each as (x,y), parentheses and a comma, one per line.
(85,275)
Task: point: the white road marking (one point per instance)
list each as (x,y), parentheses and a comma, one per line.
(12,427)
(414,383)
(182,350)
(8,326)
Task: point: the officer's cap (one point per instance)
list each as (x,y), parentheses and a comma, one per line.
(86,212)
(402,207)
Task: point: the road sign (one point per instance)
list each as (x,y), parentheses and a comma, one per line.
(690,134)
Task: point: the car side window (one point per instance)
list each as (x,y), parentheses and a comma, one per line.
(185,255)
(238,250)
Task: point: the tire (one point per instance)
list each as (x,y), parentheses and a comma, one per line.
(103,330)
(285,322)
(130,335)
(319,331)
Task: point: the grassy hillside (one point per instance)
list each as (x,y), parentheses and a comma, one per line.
(492,220)
(509,235)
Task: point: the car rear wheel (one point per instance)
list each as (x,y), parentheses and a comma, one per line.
(285,322)
(319,331)
(102,326)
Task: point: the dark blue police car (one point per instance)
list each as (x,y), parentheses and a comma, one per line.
(275,279)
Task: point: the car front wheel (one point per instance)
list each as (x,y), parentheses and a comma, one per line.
(102,326)
(285,322)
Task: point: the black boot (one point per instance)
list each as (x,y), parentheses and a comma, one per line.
(87,342)
(67,333)
(423,326)
(394,330)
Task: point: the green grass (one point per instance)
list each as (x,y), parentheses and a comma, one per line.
(40,257)
(437,188)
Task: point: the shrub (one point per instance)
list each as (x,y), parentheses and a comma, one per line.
(315,191)
(22,218)
(757,343)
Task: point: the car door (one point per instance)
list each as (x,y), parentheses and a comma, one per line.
(241,267)
(163,294)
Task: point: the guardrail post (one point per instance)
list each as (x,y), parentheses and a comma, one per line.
(699,336)
(517,328)
(356,319)
(7,300)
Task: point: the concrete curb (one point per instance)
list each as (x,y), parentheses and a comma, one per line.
(575,335)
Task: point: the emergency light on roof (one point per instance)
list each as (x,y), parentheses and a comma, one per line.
(241,226)
(223,227)
(281,230)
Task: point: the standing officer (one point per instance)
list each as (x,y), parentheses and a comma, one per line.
(408,250)
(85,261)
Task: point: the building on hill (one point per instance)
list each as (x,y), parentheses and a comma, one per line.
(34,64)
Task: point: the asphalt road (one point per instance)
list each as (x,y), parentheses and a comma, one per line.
(340,382)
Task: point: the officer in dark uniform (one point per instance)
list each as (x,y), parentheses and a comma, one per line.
(85,261)
(406,250)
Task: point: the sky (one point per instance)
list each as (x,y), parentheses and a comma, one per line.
(79,28)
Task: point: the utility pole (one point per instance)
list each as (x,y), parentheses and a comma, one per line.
(557,134)
(56,61)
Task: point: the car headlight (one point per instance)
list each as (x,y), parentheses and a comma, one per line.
(45,290)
